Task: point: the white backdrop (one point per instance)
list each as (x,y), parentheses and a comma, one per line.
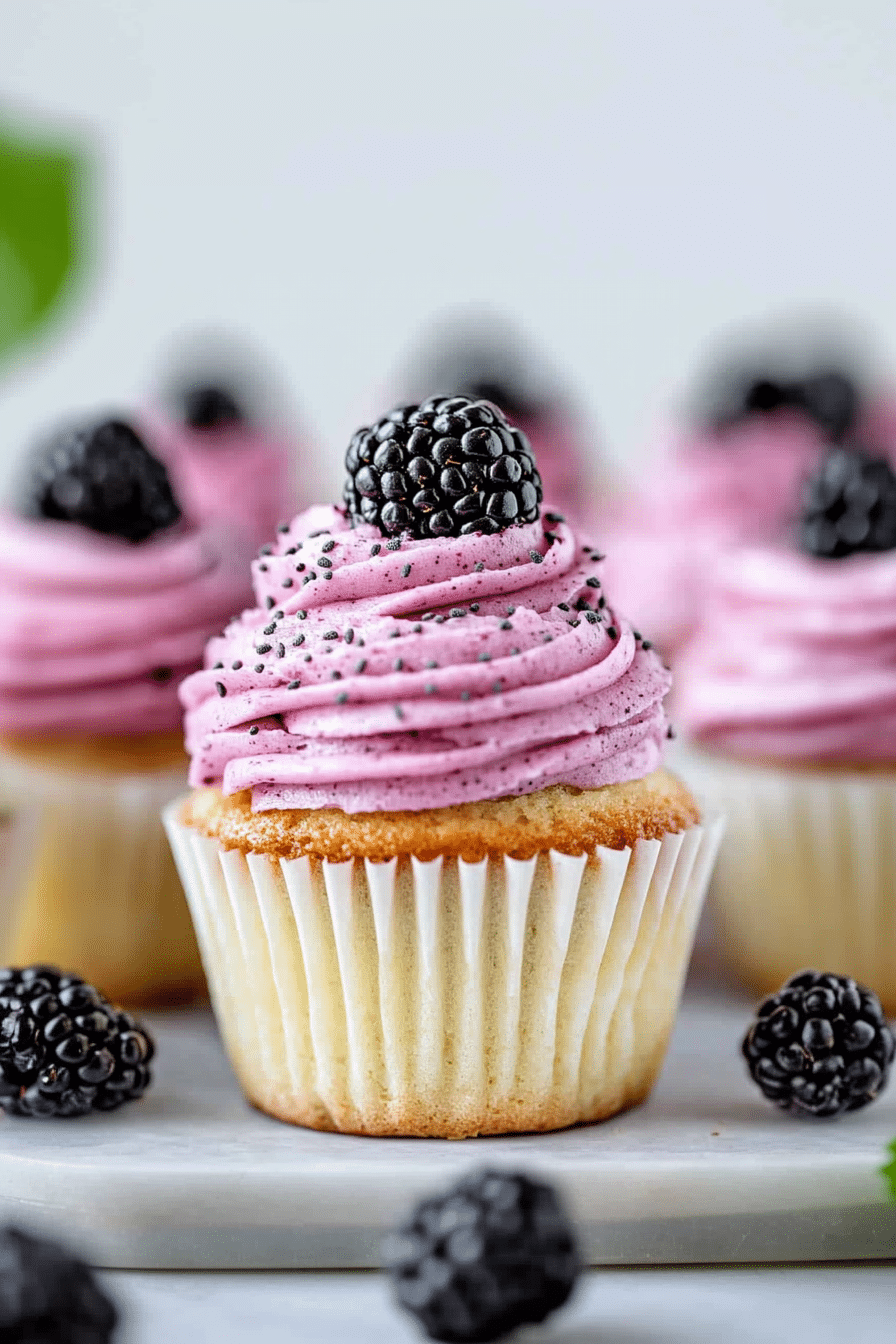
(623,178)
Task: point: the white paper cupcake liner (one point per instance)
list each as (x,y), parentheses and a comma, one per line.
(446,998)
(101,895)
(806,876)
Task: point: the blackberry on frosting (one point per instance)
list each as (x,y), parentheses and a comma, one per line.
(849,506)
(448,467)
(103,476)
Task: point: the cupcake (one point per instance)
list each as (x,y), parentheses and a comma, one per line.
(486,360)
(728,477)
(788,694)
(441,881)
(107,598)
(225,465)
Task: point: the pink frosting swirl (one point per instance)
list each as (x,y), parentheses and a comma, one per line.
(374,676)
(96,633)
(234,473)
(795,659)
(705,495)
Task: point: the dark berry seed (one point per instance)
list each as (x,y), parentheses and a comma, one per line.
(220,688)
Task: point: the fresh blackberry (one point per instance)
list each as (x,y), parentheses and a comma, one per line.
(64,1050)
(493,1253)
(103,476)
(48,1296)
(450,466)
(831,398)
(206,406)
(820,1046)
(849,505)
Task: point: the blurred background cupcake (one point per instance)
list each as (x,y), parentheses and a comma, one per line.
(788,694)
(730,473)
(481,355)
(220,425)
(107,597)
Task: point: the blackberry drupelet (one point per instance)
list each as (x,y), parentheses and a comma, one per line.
(450,466)
(103,476)
(849,505)
(209,407)
(48,1296)
(493,1253)
(820,1046)
(64,1050)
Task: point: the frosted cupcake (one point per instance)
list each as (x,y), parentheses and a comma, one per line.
(107,599)
(441,881)
(729,477)
(789,691)
(224,465)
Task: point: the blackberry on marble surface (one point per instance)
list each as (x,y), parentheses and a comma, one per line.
(103,476)
(448,467)
(820,1046)
(48,1296)
(849,505)
(493,1253)
(64,1049)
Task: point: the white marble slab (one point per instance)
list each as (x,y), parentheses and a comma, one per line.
(705,1172)
(829,1305)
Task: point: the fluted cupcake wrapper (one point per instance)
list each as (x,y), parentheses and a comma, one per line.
(446,998)
(100,895)
(806,876)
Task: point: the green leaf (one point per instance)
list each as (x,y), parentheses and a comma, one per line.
(41,230)
(889,1171)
